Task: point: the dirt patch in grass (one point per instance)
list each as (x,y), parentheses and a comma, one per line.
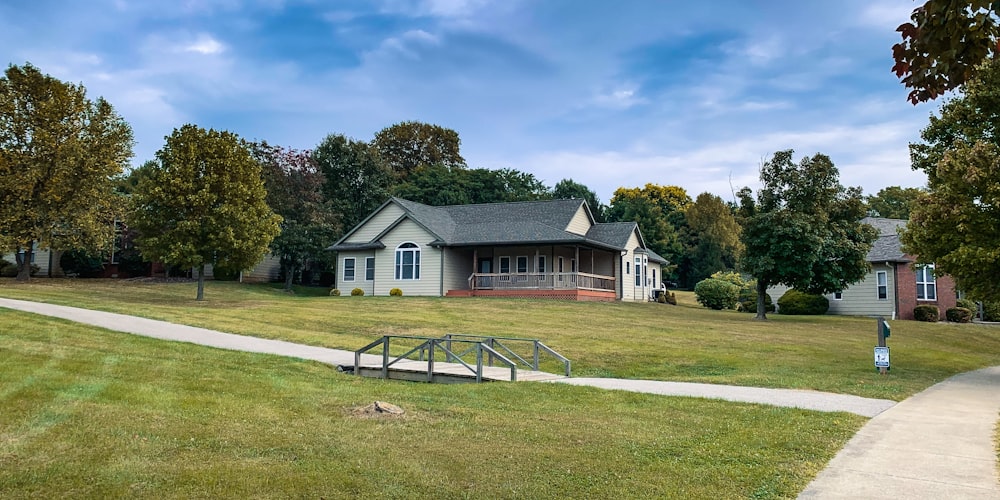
(378,409)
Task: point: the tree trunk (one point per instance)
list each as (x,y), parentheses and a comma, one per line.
(289,276)
(201,282)
(24,264)
(761,303)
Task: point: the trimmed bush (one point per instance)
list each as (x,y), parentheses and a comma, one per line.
(395,292)
(748,300)
(335,292)
(958,315)
(991,311)
(357,292)
(82,263)
(968,304)
(730,276)
(927,313)
(716,294)
(801,303)
(10,270)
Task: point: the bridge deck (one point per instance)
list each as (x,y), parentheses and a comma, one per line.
(450,372)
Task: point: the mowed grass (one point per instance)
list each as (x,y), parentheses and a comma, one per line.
(629,340)
(88,413)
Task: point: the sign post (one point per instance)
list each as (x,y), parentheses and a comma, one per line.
(882,350)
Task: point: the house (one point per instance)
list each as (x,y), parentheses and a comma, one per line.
(893,286)
(544,249)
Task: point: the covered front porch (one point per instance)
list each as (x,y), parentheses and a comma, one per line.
(554,272)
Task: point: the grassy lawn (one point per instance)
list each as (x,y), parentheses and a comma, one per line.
(632,340)
(92,413)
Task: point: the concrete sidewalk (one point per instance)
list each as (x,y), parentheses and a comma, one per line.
(936,444)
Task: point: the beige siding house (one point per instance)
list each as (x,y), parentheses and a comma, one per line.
(545,249)
(892,287)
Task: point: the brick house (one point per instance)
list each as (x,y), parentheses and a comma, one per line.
(893,286)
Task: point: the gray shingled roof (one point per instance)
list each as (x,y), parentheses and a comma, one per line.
(531,222)
(887,247)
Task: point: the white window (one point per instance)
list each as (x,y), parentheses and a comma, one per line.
(541,263)
(522,264)
(504,265)
(882,285)
(370,269)
(926,283)
(839,295)
(638,271)
(349,269)
(408,262)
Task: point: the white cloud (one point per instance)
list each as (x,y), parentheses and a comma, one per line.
(886,15)
(206,45)
(407,45)
(622,97)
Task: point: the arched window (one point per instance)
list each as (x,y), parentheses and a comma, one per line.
(408,261)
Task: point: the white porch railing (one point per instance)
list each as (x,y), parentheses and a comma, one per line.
(541,281)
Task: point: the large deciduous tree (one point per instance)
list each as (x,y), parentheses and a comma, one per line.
(439,185)
(893,202)
(955,225)
(712,238)
(569,189)
(408,145)
(203,203)
(943,44)
(59,154)
(295,192)
(357,181)
(803,228)
(659,210)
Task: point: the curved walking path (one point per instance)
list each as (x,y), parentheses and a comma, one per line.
(936,444)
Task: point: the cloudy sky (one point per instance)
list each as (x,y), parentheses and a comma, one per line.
(608,93)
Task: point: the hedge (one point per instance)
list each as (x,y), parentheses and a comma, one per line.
(794,302)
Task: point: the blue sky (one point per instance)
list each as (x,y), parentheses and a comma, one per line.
(610,94)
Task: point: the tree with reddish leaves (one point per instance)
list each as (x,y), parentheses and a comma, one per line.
(294,186)
(943,44)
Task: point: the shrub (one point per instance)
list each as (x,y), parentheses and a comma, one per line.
(748,300)
(395,292)
(927,313)
(4,264)
(9,270)
(82,263)
(357,292)
(991,311)
(671,298)
(958,315)
(801,303)
(334,292)
(224,273)
(716,294)
(968,304)
(662,298)
(730,276)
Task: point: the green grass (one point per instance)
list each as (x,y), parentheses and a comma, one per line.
(631,340)
(94,414)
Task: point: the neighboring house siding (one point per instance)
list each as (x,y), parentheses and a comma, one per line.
(861,299)
(266,270)
(376,224)
(429,283)
(40,259)
(629,289)
(580,223)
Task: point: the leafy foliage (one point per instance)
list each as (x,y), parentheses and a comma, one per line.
(335,292)
(926,312)
(659,211)
(204,203)
(795,302)
(357,182)
(748,300)
(569,189)
(968,304)
(439,185)
(59,152)
(991,311)
(405,146)
(893,202)
(295,192)
(802,229)
(716,294)
(954,225)
(943,44)
(82,263)
(395,292)
(357,292)
(711,237)
(958,315)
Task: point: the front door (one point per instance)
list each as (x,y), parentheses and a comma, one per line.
(485,265)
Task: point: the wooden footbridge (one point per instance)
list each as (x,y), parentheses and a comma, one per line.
(456,358)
